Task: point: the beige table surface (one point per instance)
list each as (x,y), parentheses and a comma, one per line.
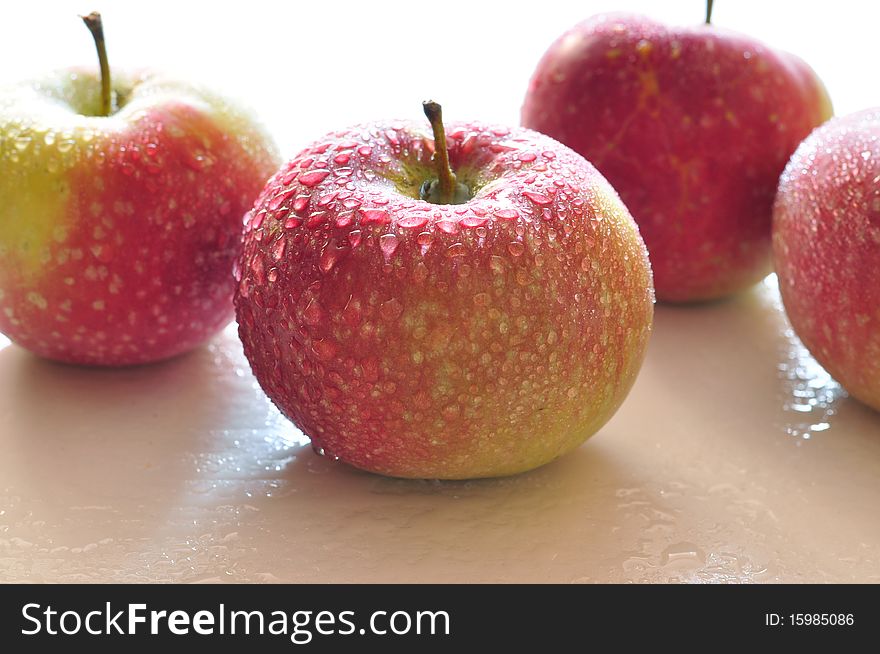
(735,458)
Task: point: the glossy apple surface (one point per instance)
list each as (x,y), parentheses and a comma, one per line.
(430,340)
(826,242)
(118,233)
(693,127)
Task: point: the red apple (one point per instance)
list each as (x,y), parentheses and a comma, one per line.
(440,324)
(120,220)
(693,127)
(826,242)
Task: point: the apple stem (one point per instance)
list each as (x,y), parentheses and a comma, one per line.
(96,27)
(709,12)
(445,176)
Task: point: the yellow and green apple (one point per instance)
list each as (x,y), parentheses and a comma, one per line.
(121,204)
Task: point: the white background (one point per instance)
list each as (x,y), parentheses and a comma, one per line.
(316,66)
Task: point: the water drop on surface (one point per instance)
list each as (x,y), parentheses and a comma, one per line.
(313,178)
(374,217)
(388,243)
(301,203)
(447,226)
(687,552)
(278,249)
(538,198)
(278,200)
(331,255)
(413,221)
(473,221)
(516,248)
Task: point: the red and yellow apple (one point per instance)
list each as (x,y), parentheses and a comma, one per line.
(120,213)
(826,243)
(693,127)
(443,309)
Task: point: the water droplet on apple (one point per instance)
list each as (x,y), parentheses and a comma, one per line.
(506,214)
(425,239)
(258,270)
(332,254)
(327,199)
(413,221)
(538,198)
(374,217)
(22,142)
(447,226)
(388,243)
(313,178)
(301,202)
(473,221)
(456,250)
(516,248)
(279,199)
(354,238)
(278,249)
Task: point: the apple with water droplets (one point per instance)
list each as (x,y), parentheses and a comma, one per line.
(470,305)
(121,204)
(826,244)
(692,126)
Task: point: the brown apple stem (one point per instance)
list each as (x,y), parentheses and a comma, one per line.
(96,27)
(708,12)
(445,176)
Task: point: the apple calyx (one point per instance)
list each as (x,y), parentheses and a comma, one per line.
(709,12)
(446,189)
(96,27)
